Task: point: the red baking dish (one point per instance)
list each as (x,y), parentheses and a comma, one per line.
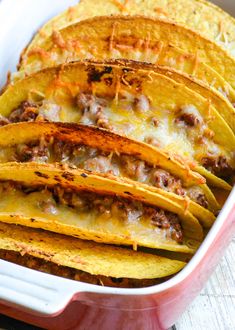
(52,302)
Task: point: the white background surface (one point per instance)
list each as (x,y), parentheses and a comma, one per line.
(214,309)
(24,19)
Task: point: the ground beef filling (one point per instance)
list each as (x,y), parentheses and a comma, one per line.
(49,149)
(106,205)
(121,208)
(27,111)
(188,119)
(42,265)
(93,110)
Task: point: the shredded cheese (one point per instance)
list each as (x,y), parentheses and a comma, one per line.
(209,116)
(59,83)
(123,46)
(124,81)
(187,203)
(40,52)
(147,42)
(71,13)
(117,89)
(112,36)
(159,50)
(196,63)
(58,40)
(161,11)
(119,5)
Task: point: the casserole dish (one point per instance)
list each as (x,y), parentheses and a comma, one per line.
(55,303)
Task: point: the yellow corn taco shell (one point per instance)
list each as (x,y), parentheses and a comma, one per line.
(200,15)
(213,180)
(119,91)
(136,38)
(19,207)
(90,257)
(113,154)
(170,56)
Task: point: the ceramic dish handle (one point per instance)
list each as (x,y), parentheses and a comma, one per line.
(39,292)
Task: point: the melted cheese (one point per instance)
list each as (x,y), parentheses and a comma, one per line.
(125,120)
(50,111)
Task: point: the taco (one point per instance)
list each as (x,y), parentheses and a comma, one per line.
(136,38)
(83,260)
(214,88)
(139,103)
(101,151)
(200,15)
(92,207)
(171,57)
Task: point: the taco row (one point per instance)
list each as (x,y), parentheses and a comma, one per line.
(111,168)
(155,41)
(122,97)
(199,15)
